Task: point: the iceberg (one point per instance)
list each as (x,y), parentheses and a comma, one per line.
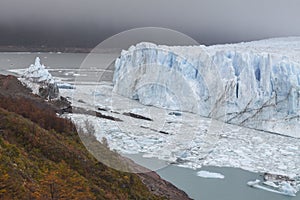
(254,84)
(38,78)
(38,73)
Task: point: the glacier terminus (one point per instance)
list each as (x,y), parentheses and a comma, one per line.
(253,84)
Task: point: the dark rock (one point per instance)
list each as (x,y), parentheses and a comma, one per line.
(49,91)
(137,116)
(98,114)
(62,105)
(163,132)
(103,109)
(175,114)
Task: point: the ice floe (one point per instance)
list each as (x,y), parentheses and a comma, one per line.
(206,174)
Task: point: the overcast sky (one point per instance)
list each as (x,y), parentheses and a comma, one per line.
(87,22)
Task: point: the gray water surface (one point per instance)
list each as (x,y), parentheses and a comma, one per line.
(232,187)
(54,60)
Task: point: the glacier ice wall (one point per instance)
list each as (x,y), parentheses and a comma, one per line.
(256,85)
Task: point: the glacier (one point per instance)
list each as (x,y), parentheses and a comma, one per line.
(254,84)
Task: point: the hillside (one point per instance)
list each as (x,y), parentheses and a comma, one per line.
(42,157)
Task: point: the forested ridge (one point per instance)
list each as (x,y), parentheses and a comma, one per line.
(42,157)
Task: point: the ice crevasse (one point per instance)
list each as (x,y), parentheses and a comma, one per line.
(254,84)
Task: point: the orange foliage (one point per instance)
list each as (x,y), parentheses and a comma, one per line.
(41,114)
(63,183)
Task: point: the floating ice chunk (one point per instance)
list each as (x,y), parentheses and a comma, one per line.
(284,188)
(287,189)
(253,183)
(207,174)
(271,184)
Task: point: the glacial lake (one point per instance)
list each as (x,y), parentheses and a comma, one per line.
(232,187)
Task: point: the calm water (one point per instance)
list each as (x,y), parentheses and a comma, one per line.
(54,60)
(233,187)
